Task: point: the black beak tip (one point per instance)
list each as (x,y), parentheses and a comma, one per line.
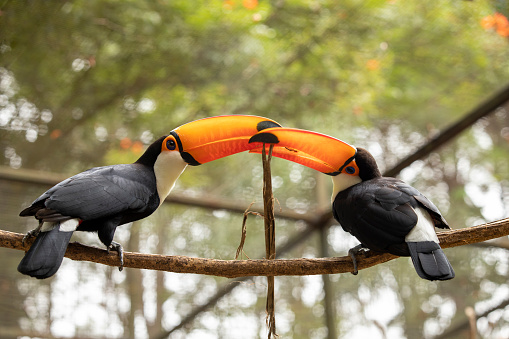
(267,138)
(266,124)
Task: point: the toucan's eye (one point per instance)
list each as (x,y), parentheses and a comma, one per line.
(350,170)
(170,144)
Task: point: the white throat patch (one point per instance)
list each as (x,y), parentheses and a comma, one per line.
(342,181)
(167,168)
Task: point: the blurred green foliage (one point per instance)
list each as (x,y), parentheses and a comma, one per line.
(88,83)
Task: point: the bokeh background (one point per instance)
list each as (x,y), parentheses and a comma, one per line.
(90,83)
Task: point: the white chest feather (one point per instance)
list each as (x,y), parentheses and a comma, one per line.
(342,181)
(424,230)
(65,226)
(167,168)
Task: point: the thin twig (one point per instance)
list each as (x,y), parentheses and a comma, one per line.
(270,237)
(240,249)
(472,321)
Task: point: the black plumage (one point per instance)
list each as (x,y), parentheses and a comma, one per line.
(381,212)
(384,214)
(45,256)
(100,198)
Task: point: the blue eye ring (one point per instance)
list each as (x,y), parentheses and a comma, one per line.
(171,144)
(350,170)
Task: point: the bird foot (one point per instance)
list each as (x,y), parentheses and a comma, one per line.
(33,233)
(352,252)
(115,246)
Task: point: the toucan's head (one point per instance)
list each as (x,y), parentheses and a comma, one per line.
(212,138)
(208,139)
(198,142)
(345,163)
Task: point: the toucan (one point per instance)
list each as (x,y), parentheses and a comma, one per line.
(102,198)
(385,214)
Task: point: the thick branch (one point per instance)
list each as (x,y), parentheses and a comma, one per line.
(259,267)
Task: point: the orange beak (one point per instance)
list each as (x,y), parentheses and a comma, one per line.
(318,151)
(212,138)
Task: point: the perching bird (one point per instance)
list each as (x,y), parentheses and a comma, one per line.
(102,198)
(384,214)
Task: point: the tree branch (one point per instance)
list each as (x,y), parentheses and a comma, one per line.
(483,109)
(257,267)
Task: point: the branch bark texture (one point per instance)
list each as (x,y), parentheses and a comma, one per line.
(257,267)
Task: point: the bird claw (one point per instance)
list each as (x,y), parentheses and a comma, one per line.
(32,233)
(117,247)
(352,252)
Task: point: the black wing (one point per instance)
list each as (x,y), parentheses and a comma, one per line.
(422,201)
(380,213)
(100,192)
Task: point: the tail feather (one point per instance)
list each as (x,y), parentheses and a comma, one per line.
(45,256)
(430,261)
